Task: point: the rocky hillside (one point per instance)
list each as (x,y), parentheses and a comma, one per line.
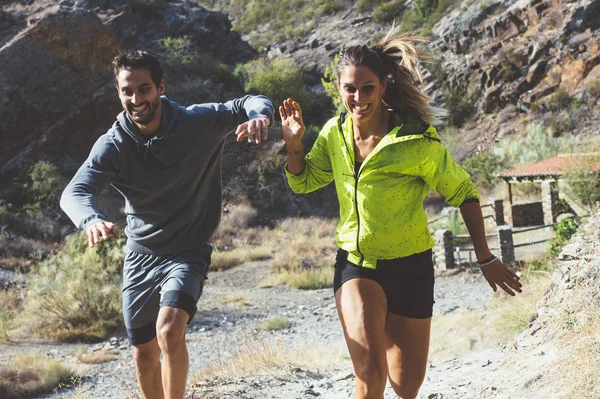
(496,63)
(498,66)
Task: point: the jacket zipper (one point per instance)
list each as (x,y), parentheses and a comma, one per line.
(355,174)
(362,257)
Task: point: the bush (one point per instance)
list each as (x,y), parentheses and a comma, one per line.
(75,295)
(387,12)
(274,21)
(329,81)
(34,212)
(366,5)
(278,80)
(42,191)
(559,100)
(509,71)
(424,8)
(483,168)
(460,103)
(424,15)
(177,50)
(537,145)
(26,375)
(565,229)
(583,187)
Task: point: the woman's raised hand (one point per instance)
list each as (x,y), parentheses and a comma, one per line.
(292,125)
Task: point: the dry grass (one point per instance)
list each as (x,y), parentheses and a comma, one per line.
(305,253)
(578,339)
(223,260)
(11,304)
(99,356)
(27,375)
(302,250)
(502,319)
(276,323)
(311,279)
(235,301)
(258,354)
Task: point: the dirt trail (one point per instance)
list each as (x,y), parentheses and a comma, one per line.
(233,308)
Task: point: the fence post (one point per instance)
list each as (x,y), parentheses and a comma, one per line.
(507,248)
(444,251)
(498,206)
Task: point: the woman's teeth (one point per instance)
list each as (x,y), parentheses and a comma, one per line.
(363,107)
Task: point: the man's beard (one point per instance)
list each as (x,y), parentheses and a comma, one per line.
(153,107)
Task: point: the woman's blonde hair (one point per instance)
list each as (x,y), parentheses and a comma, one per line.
(395,59)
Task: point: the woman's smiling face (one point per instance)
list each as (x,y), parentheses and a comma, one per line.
(362,92)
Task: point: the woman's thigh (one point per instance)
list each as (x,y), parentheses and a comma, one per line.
(362,309)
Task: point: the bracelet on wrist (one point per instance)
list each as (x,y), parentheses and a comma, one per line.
(487,261)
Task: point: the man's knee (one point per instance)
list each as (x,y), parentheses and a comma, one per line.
(171,335)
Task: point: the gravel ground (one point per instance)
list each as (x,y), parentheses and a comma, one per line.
(232,310)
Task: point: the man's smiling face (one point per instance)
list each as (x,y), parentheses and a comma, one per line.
(139,95)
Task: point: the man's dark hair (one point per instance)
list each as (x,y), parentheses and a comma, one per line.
(138,59)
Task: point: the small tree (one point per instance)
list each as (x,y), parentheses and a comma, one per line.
(329,81)
(483,168)
(278,80)
(583,187)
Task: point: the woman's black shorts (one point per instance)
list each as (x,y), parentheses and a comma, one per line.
(407,282)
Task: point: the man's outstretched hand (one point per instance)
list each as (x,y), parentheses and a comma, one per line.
(101,231)
(256,129)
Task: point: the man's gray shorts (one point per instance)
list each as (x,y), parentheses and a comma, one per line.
(153,281)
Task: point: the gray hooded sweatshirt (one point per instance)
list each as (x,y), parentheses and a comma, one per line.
(171,183)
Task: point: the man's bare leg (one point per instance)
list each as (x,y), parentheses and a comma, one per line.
(147,369)
(170,329)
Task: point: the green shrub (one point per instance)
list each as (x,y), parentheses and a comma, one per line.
(278,80)
(583,187)
(41,192)
(509,71)
(460,103)
(538,144)
(366,5)
(75,295)
(483,168)
(424,8)
(274,21)
(565,229)
(35,208)
(329,81)
(177,50)
(559,100)
(425,14)
(387,12)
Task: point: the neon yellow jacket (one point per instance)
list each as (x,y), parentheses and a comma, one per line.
(381,207)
